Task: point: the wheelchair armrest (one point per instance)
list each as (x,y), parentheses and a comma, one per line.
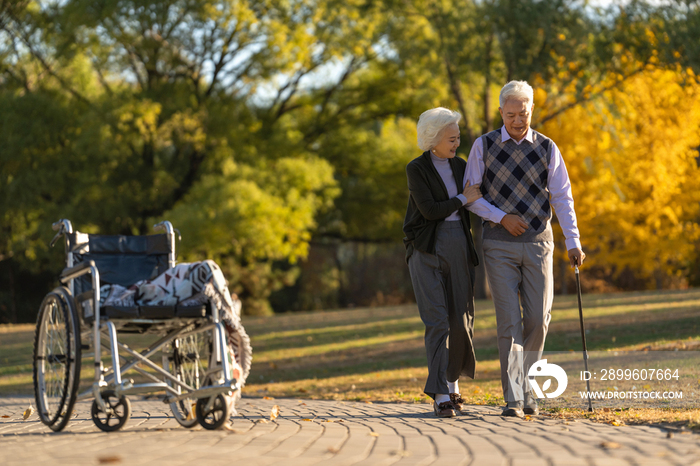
(77,270)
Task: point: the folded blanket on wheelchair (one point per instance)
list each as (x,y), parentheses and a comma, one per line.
(189,284)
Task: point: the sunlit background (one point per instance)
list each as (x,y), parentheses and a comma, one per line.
(274,134)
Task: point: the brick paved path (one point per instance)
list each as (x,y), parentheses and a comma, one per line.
(336,433)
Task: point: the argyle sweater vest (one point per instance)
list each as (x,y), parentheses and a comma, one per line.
(515,181)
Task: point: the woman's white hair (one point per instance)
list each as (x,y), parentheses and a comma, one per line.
(518,90)
(432,124)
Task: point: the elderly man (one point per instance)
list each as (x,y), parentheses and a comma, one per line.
(521,173)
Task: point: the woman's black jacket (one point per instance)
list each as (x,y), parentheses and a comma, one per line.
(429,205)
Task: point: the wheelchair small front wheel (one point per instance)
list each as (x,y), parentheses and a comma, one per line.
(118,411)
(217,416)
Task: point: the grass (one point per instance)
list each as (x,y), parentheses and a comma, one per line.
(378,354)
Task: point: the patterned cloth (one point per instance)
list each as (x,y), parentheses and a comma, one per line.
(190,284)
(515,178)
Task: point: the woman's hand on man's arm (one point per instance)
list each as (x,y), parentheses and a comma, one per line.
(472,193)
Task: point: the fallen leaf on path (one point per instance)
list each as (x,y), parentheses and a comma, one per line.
(274,412)
(368,402)
(615,423)
(28,412)
(301,403)
(607,410)
(374,434)
(333,449)
(262,421)
(610,445)
(109,459)
(268,398)
(5,416)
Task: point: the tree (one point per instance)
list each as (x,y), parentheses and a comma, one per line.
(145,103)
(632,158)
(117,113)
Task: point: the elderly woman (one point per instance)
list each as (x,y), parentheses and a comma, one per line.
(441,256)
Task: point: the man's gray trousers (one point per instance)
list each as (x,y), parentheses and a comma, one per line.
(444,287)
(520,274)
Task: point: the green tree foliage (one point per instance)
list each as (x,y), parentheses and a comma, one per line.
(254,125)
(246,218)
(115,112)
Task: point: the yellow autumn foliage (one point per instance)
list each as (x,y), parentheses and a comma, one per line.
(633,161)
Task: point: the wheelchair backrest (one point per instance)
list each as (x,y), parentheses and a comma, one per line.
(120,259)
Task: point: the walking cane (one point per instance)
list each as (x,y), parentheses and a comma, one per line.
(583,334)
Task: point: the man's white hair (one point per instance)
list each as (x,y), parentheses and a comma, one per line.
(517,90)
(432,124)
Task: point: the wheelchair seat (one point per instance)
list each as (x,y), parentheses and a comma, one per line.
(154,312)
(124,261)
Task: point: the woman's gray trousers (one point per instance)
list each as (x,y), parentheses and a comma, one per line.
(444,287)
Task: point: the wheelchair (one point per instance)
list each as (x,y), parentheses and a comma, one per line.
(204,356)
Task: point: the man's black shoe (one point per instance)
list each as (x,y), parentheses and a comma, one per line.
(513,409)
(530,406)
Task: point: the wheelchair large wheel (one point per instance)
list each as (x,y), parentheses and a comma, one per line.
(56,359)
(189,362)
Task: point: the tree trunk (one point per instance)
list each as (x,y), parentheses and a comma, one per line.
(659,278)
(342,295)
(563,276)
(488,120)
(13,298)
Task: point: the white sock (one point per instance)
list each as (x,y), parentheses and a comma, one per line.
(442,398)
(453,386)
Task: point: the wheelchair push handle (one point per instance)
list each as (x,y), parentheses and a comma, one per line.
(63,227)
(168,228)
(67,226)
(163,226)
